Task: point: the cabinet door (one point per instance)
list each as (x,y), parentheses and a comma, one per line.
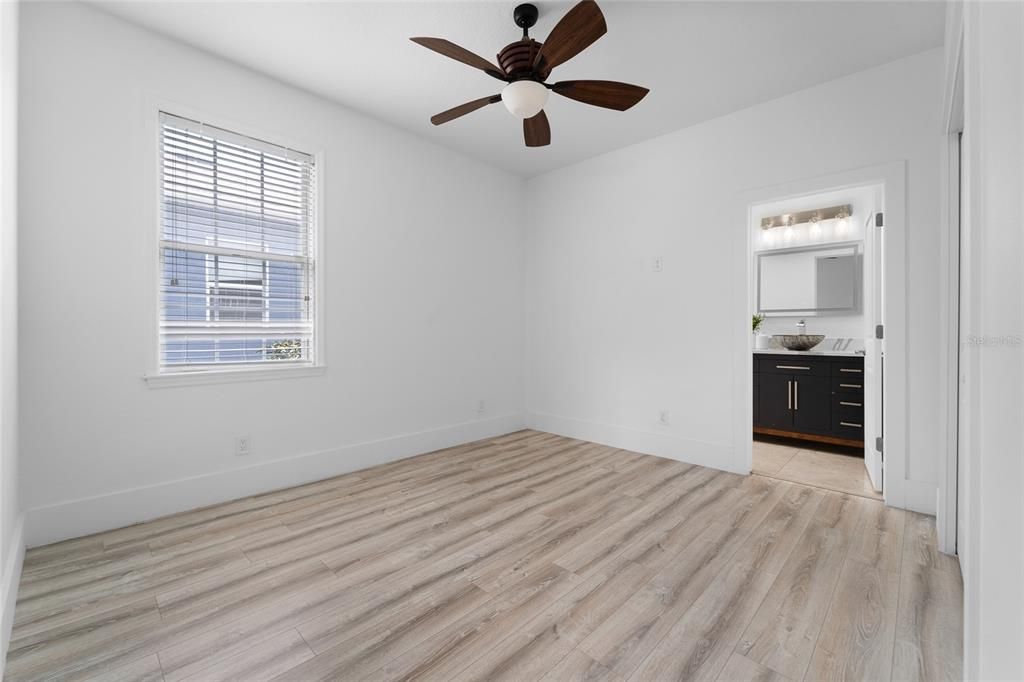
(773,401)
(757,384)
(812,404)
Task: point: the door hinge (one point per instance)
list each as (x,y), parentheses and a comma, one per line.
(878,220)
(879,331)
(879,444)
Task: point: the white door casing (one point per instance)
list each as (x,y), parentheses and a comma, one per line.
(874,357)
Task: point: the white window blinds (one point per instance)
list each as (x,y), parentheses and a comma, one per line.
(237,251)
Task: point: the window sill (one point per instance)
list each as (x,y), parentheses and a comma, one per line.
(231,376)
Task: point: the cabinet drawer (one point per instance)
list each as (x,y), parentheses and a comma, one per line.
(796,365)
(847,409)
(847,427)
(849,369)
(851,384)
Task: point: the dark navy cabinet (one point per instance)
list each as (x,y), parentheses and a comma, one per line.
(811,397)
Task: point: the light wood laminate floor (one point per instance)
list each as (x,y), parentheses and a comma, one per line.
(524,557)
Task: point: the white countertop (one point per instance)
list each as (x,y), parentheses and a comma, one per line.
(783,351)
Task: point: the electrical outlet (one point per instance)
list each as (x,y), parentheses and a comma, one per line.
(663,417)
(659,264)
(481,407)
(243,446)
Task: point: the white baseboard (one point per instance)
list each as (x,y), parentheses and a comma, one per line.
(9,594)
(647,442)
(75,518)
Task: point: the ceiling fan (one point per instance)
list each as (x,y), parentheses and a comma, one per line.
(526,64)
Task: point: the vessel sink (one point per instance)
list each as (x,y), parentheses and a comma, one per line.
(798,341)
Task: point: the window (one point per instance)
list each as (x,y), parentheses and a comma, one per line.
(237,251)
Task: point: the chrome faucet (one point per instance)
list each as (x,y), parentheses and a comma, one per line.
(801,326)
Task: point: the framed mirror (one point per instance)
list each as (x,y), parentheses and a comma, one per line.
(815,280)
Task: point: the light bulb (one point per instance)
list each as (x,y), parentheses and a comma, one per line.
(841,225)
(524,99)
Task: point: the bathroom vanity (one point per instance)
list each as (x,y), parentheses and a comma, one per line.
(816,396)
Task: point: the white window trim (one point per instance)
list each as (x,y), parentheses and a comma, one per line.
(153,377)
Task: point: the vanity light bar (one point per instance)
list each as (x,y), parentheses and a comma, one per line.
(812,216)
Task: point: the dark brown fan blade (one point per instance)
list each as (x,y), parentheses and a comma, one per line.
(537,131)
(461,54)
(463,109)
(607,94)
(578,29)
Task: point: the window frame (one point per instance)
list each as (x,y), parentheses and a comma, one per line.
(155,376)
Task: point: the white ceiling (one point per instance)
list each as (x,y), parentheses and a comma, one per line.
(700,60)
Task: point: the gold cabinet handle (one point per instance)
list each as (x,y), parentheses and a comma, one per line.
(843,402)
(791,367)
(789,395)
(796,395)
(851,371)
(850,386)
(850,424)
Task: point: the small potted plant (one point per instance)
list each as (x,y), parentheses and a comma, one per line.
(760,340)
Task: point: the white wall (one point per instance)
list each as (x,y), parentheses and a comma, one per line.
(423,303)
(993,340)
(610,343)
(11,545)
(424,293)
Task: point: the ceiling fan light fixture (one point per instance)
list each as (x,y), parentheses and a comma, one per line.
(526,64)
(525,98)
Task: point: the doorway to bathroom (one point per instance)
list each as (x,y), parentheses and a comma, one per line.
(818,307)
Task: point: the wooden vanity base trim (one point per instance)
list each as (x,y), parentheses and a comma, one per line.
(817,438)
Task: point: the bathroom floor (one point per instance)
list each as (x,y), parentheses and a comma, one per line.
(811,464)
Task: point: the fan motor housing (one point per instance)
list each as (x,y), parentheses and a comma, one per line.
(516,59)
